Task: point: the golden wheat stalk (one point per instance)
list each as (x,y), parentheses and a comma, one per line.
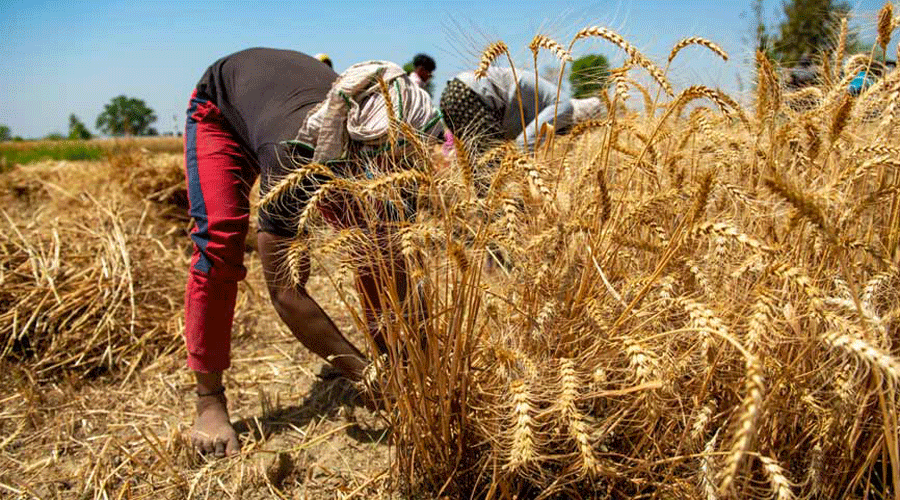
(640,360)
(707,474)
(696,40)
(769,88)
(760,322)
(804,204)
(889,114)
(292,181)
(312,205)
(537,43)
(842,45)
(781,487)
(463,161)
(297,261)
(726,105)
(638,58)
(547,43)
(841,117)
(530,169)
(421,151)
(869,355)
(522,450)
(798,276)
(702,420)
(587,126)
(727,230)
(619,79)
(510,218)
(392,115)
(746,420)
(399,179)
(885,25)
(578,428)
(488,56)
(826,69)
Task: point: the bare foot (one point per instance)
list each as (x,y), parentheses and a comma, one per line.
(212,432)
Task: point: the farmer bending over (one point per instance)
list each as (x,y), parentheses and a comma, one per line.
(241,112)
(483,111)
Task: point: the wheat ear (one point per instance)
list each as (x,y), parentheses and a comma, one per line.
(885,25)
(547,43)
(488,56)
(842,45)
(391,114)
(522,449)
(777,479)
(860,349)
(292,181)
(707,482)
(746,422)
(698,428)
(578,428)
(639,58)
(696,40)
(296,260)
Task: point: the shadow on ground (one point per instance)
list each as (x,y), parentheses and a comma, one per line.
(325,400)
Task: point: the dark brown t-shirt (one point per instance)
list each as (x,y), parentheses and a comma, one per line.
(265,94)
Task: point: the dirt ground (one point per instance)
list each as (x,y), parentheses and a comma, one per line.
(108,437)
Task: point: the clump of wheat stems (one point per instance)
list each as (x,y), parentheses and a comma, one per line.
(637,311)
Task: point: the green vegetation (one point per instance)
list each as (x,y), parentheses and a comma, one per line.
(126,116)
(588,75)
(807,28)
(29,152)
(5,134)
(77,130)
(19,152)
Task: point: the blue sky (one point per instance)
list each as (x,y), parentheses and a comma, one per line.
(73,56)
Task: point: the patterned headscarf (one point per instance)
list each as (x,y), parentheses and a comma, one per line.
(355,109)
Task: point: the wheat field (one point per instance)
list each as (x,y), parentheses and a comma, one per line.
(688,298)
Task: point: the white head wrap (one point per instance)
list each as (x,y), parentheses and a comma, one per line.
(355,109)
(586,109)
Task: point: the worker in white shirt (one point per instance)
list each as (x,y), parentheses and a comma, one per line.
(423,68)
(483,111)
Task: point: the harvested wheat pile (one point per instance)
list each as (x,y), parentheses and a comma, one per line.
(700,302)
(87,281)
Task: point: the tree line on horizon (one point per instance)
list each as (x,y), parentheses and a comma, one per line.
(122,116)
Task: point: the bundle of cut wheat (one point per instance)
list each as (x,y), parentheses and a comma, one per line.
(86,282)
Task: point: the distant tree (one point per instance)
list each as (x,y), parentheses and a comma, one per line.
(808,28)
(5,133)
(54,136)
(588,75)
(429,87)
(126,116)
(77,130)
